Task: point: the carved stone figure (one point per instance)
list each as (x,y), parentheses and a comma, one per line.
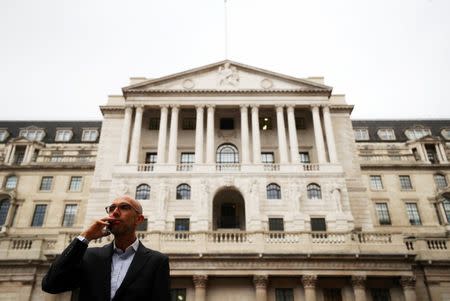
(228,75)
(336,197)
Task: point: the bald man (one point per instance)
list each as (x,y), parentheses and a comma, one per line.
(121,270)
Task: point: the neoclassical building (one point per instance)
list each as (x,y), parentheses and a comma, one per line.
(258,185)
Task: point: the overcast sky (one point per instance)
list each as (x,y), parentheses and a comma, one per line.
(60,59)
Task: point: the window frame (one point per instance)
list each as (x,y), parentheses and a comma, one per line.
(38,133)
(300,123)
(376,185)
(273,191)
(44,215)
(41,185)
(141,189)
(410,213)
(361,134)
(15,182)
(4,134)
(318,218)
(445,133)
(284,294)
(386,134)
(275,224)
(383,213)
(417,132)
(183,192)
(4,210)
(80,187)
(442,179)
(267,155)
(67,135)
(405,183)
(153,123)
(88,132)
(302,155)
(313,191)
(188,123)
(182,221)
(73,217)
(234,154)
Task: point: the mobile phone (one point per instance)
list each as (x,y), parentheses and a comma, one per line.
(107,229)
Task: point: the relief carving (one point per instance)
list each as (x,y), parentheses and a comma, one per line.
(200,280)
(228,75)
(260,281)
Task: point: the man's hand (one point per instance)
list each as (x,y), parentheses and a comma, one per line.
(97,229)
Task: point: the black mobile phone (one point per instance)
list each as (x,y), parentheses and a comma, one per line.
(108,228)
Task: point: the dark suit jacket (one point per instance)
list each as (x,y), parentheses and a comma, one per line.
(90,270)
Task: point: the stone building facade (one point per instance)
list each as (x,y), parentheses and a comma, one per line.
(258,186)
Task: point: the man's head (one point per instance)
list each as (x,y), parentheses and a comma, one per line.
(126,213)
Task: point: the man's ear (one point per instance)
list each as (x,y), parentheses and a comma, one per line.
(139,219)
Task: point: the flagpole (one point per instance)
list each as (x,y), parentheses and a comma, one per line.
(226,29)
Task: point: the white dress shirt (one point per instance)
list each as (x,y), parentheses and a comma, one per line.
(120,263)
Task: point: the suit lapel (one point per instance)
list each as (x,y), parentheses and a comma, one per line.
(139,260)
(104,270)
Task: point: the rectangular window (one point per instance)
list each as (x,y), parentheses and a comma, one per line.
(63,135)
(267,158)
(181,224)
(376,183)
(153,124)
(304,157)
(318,224)
(75,183)
(386,134)
(284,294)
(177,294)
(361,134)
(413,214)
(383,213)
(38,215)
(143,226)
(265,123)
(19,155)
(89,135)
(226,123)
(446,206)
(332,294)
(441,181)
(276,224)
(188,124)
(70,213)
(300,123)
(46,184)
(3,135)
(186,160)
(405,183)
(151,158)
(380,294)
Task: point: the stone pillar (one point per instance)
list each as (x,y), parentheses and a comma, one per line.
(408,284)
(12,154)
(136,138)
(295,158)
(199,135)
(125,139)
(200,287)
(260,282)
(318,134)
(309,283)
(256,139)
(245,143)
(8,153)
(282,145)
(359,287)
(210,135)
(443,154)
(162,135)
(424,149)
(331,144)
(173,138)
(28,154)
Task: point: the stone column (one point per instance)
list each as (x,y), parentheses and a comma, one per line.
(199,135)
(318,134)
(12,153)
(331,144)
(309,283)
(173,138)
(409,287)
(443,154)
(200,287)
(8,153)
(162,135)
(125,139)
(210,135)
(28,154)
(359,287)
(424,149)
(260,282)
(281,134)
(136,138)
(295,158)
(256,139)
(245,143)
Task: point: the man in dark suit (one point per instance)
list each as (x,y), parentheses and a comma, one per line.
(122,270)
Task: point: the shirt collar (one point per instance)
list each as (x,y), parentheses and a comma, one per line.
(133,247)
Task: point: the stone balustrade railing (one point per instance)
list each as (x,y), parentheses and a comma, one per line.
(176,242)
(368,158)
(65,159)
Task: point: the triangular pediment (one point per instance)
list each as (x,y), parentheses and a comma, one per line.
(226,76)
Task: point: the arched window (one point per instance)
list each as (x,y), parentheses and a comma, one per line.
(4,207)
(227,153)
(440,181)
(11,182)
(183,192)
(273,191)
(314,191)
(143,192)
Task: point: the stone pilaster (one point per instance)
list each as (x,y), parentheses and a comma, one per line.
(331,144)
(260,282)
(359,287)
(318,134)
(125,137)
(173,138)
(408,284)
(210,135)
(162,135)
(309,284)
(200,286)
(281,131)
(295,158)
(245,146)
(136,138)
(256,139)
(199,135)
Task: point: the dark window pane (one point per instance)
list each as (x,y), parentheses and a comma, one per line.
(38,216)
(267,158)
(332,294)
(151,158)
(177,294)
(304,157)
(300,123)
(183,192)
(413,214)
(380,294)
(276,224)
(226,123)
(153,124)
(4,208)
(273,191)
(188,124)
(265,123)
(181,224)
(69,215)
(383,214)
(318,224)
(284,294)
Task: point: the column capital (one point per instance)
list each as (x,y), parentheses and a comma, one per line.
(198,107)
(290,107)
(408,282)
(164,106)
(279,106)
(211,107)
(175,107)
(315,106)
(260,281)
(325,107)
(139,107)
(309,281)
(254,106)
(359,281)
(128,107)
(200,280)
